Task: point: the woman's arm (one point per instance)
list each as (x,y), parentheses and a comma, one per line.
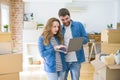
(44,52)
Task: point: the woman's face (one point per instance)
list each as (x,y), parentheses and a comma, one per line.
(55,27)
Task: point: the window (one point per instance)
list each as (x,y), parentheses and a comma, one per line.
(4,16)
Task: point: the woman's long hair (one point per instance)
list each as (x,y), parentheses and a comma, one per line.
(48,34)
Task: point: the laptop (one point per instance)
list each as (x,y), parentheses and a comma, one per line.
(74,45)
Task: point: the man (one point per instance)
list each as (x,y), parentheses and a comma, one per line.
(72,29)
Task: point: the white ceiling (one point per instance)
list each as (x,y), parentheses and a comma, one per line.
(93,0)
(64,1)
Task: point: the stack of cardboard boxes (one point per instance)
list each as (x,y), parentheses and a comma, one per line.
(110,41)
(110,44)
(10,64)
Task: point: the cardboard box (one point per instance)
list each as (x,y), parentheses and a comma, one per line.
(10,63)
(110,36)
(5,37)
(109,48)
(11,76)
(105,72)
(97,77)
(118,26)
(96,37)
(5,47)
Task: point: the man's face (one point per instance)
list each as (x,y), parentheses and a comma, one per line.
(65,20)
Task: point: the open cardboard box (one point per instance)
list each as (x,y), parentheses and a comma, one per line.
(105,72)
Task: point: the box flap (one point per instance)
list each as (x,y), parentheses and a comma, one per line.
(98,64)
(113,66)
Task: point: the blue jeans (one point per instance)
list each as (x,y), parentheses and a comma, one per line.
(59,75)
(74,68)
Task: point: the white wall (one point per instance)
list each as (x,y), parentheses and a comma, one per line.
(95,17)
(43,11)
(118,5)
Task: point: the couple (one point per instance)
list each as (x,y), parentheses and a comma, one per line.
(57,64)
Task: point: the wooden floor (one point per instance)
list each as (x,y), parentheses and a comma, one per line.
(87,72)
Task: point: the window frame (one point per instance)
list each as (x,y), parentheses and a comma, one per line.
(4,6)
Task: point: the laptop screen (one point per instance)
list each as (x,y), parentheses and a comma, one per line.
(75,44)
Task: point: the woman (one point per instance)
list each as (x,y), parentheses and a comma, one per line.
(51,40)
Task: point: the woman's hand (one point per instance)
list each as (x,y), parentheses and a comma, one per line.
(59,47)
